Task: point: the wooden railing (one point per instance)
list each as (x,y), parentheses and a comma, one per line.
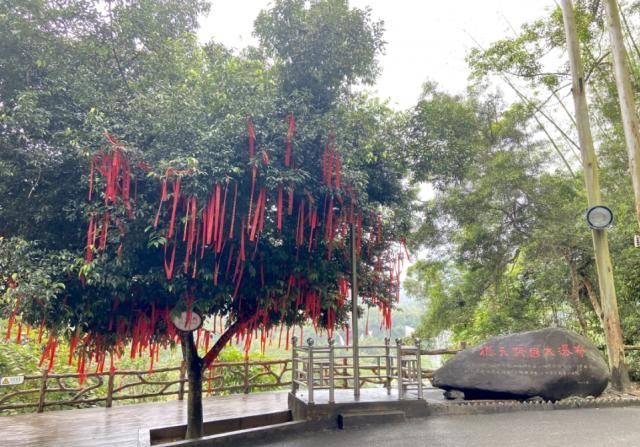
(54,391)
(378,367)
(50,390)
(46,390)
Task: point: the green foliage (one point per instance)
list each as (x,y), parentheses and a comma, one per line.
(526,54)
(509,247)
(503,231)
(443,131)
(322,47)
(75,69)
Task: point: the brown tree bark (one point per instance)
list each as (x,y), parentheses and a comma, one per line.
(220,344)
(195,420)
(575,297)
(196,366)
(593,297)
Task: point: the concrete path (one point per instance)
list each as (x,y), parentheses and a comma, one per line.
(119,426)
(610,427)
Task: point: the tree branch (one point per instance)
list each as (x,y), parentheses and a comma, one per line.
(115,54)
(221,343)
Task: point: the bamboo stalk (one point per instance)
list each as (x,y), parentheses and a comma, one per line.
(612,329)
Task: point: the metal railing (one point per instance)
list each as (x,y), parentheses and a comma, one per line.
(331,367)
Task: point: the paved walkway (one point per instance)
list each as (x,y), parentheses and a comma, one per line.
(609,427)
(119,426)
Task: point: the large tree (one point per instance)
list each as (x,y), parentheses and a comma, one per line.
(552,279)
(503,226)
(151,175)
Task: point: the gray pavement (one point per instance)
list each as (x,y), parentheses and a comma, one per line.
(608,427)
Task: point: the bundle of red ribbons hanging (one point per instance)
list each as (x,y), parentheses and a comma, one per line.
(221,226)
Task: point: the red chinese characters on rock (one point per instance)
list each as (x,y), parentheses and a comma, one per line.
(564,350)
(487,351)
(533,352)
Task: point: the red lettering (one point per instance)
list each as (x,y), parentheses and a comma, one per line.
(502,352)
(564,350)
(519,351)
(487,351)
(534,353)
(579,351)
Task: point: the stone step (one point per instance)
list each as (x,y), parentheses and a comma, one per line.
(247,436)
(359,418)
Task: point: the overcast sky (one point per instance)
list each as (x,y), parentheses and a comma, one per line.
(426,39)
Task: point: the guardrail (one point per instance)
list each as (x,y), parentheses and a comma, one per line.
(330,367)
(58,390)
(45,390)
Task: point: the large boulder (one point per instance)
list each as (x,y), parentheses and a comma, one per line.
(550,363)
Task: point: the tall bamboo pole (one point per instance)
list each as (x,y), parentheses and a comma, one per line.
(626,97)
(612,330)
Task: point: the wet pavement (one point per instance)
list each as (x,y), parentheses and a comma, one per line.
(120,426)
(608,427)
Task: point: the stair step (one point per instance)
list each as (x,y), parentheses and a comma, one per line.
(355,419)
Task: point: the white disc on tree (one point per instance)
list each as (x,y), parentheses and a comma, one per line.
(187,321)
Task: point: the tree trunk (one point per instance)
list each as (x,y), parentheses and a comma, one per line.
(593,297)
(196,367)
(630,122)
(195,420)
(575,299)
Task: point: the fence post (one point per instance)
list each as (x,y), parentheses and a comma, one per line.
(246,374)
(110,383)
(387,356)
(418,342)
(294,365)
(43,390)
(310,370)
(182,379)
(345,382)
(399,367)
(331,382)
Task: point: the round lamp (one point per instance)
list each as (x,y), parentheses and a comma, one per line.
(599,217)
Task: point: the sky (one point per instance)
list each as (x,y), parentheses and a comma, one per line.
(426,39)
